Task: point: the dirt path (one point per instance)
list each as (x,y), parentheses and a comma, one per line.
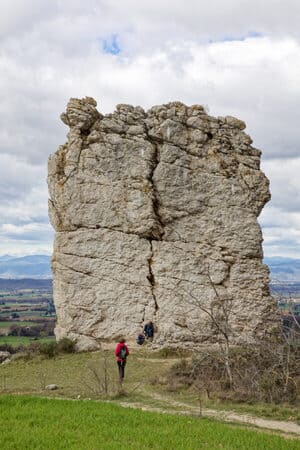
(170,406)
(226,416)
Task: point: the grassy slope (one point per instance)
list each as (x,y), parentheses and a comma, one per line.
(73,375)
(31,423)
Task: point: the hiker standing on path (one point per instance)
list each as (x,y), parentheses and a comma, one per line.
(121,353)
(149,330)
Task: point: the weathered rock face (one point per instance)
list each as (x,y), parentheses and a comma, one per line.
(156,218)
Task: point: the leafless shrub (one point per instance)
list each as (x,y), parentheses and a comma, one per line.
(219,315)
(169,352)
(261,372)
(98,380)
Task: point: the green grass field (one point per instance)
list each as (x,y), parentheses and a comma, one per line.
(19,324)
(39,423)
(24,314)
(30,313)
(14,305)
(17,340)
(27,296)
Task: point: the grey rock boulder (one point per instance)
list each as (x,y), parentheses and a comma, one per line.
(155,216)
(4,355)
(51,387)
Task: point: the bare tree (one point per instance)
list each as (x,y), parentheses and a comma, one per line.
(290,326)
(219,312)
(265,370)
(99,384)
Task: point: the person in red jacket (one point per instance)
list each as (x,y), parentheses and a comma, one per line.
(121,353)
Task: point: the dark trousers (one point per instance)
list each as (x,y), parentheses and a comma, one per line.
(121,365)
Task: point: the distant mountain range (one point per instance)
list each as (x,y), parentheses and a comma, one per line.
(9,284)
(284,269)
(33,266)
(38,267)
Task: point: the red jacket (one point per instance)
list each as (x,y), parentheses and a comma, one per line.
(118,348)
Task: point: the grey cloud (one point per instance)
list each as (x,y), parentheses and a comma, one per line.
(28,232)
(161,20)
(282,248)
(281,231)
(23,199)
(152,22)
(281,241)
(255,82)
(17,177)
(284,185)
(51,51)
(21,15)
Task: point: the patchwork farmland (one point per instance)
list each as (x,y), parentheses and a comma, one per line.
(27,312)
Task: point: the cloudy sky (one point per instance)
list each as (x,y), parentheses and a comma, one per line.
(236,57)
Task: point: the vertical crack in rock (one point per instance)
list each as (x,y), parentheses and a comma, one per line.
(151,278)
(159,233)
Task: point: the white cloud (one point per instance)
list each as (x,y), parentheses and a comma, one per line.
(24,230)
(196,52)
(285,184)
(21,15)
(28,207)
(148,24)
(18,178)
(250,79)
(30,238)
(282,242)
(25,247)
(281,232)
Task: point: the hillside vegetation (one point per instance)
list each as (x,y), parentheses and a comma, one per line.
(150,379)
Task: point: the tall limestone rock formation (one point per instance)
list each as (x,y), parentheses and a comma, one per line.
(156,218)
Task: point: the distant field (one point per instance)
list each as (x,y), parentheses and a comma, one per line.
(17,304)
(19,324)
(26,303)
(20,293)
(25,284)
(31,313)
(17,340)
(39,423)
(23,313)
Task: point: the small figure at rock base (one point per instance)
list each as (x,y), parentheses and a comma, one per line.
(149,330)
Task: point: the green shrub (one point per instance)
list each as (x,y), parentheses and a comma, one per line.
(48,349)
(66,345)
(51,349)
(7,348)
